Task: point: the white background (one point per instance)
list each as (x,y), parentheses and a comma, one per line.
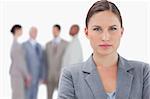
(44,14)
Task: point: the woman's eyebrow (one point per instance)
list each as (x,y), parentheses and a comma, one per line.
(96,26)
(113,25)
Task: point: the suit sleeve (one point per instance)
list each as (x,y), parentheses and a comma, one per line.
(66,57)
(45,52)
(19,59)
(43,74)
(146,82)
(66,87)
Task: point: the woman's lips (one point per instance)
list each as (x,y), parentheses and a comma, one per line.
(105,45)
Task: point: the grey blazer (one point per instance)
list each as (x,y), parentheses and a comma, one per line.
(34,59)
(18,64)
(18,71)
(54,62)
(81,81)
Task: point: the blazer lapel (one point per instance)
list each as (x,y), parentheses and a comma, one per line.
(93,80)
(29,45)
(59,48)
(124,82)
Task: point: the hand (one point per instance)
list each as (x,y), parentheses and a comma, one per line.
(28,81)
(43,82)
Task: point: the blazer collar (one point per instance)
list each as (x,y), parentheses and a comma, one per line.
(124,81)
(89,65)
(124,64)
(125,77)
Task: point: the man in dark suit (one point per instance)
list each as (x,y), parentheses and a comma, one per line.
(34,60)
(54,53)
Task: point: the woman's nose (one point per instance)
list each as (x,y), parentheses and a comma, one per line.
(105,36)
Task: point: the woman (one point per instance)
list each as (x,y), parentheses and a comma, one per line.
(105,75)
(18,71)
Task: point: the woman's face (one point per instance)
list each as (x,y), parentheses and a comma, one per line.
(104,32)
(18,32)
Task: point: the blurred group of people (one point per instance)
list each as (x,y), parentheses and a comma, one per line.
(32,65)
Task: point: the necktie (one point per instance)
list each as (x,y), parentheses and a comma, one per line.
(37,49)
(54,49)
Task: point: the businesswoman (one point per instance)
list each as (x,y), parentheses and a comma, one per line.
(18,70)
(105,75)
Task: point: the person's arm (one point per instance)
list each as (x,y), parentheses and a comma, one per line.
(66,87)
(20,59)
(27,76)
(66,57)
(43,73)
(146,82)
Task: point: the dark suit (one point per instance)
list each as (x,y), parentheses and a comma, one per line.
(35,65)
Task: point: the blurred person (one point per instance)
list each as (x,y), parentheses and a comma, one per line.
(54,52)
(73,53)
(20,78)
(35,63)
(105,75)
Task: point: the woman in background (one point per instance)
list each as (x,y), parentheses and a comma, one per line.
(105,75)
(20,77)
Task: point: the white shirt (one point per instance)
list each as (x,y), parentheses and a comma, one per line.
(33,42)
(56,40)
(73,53)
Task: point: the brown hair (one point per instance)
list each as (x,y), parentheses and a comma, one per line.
(103,5)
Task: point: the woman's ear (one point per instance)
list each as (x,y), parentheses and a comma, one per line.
(86,32)
(122,31)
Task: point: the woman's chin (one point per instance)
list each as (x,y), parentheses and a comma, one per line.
(104,52)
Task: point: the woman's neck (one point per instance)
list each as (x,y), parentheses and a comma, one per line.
(15,37)
(105,61)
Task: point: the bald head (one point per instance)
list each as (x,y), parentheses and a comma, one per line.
(33,32)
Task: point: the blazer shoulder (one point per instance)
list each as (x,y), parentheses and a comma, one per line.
(25,43)
(138,64)
(141,68)
(64,41)
(48,43)
(73,69)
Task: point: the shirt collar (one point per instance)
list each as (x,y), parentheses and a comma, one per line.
(33,42)
(56,40)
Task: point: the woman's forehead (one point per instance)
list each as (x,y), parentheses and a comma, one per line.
(104,18)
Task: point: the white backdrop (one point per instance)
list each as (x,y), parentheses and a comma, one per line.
(135,43)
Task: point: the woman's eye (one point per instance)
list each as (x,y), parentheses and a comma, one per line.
(113,29)
(97,29)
